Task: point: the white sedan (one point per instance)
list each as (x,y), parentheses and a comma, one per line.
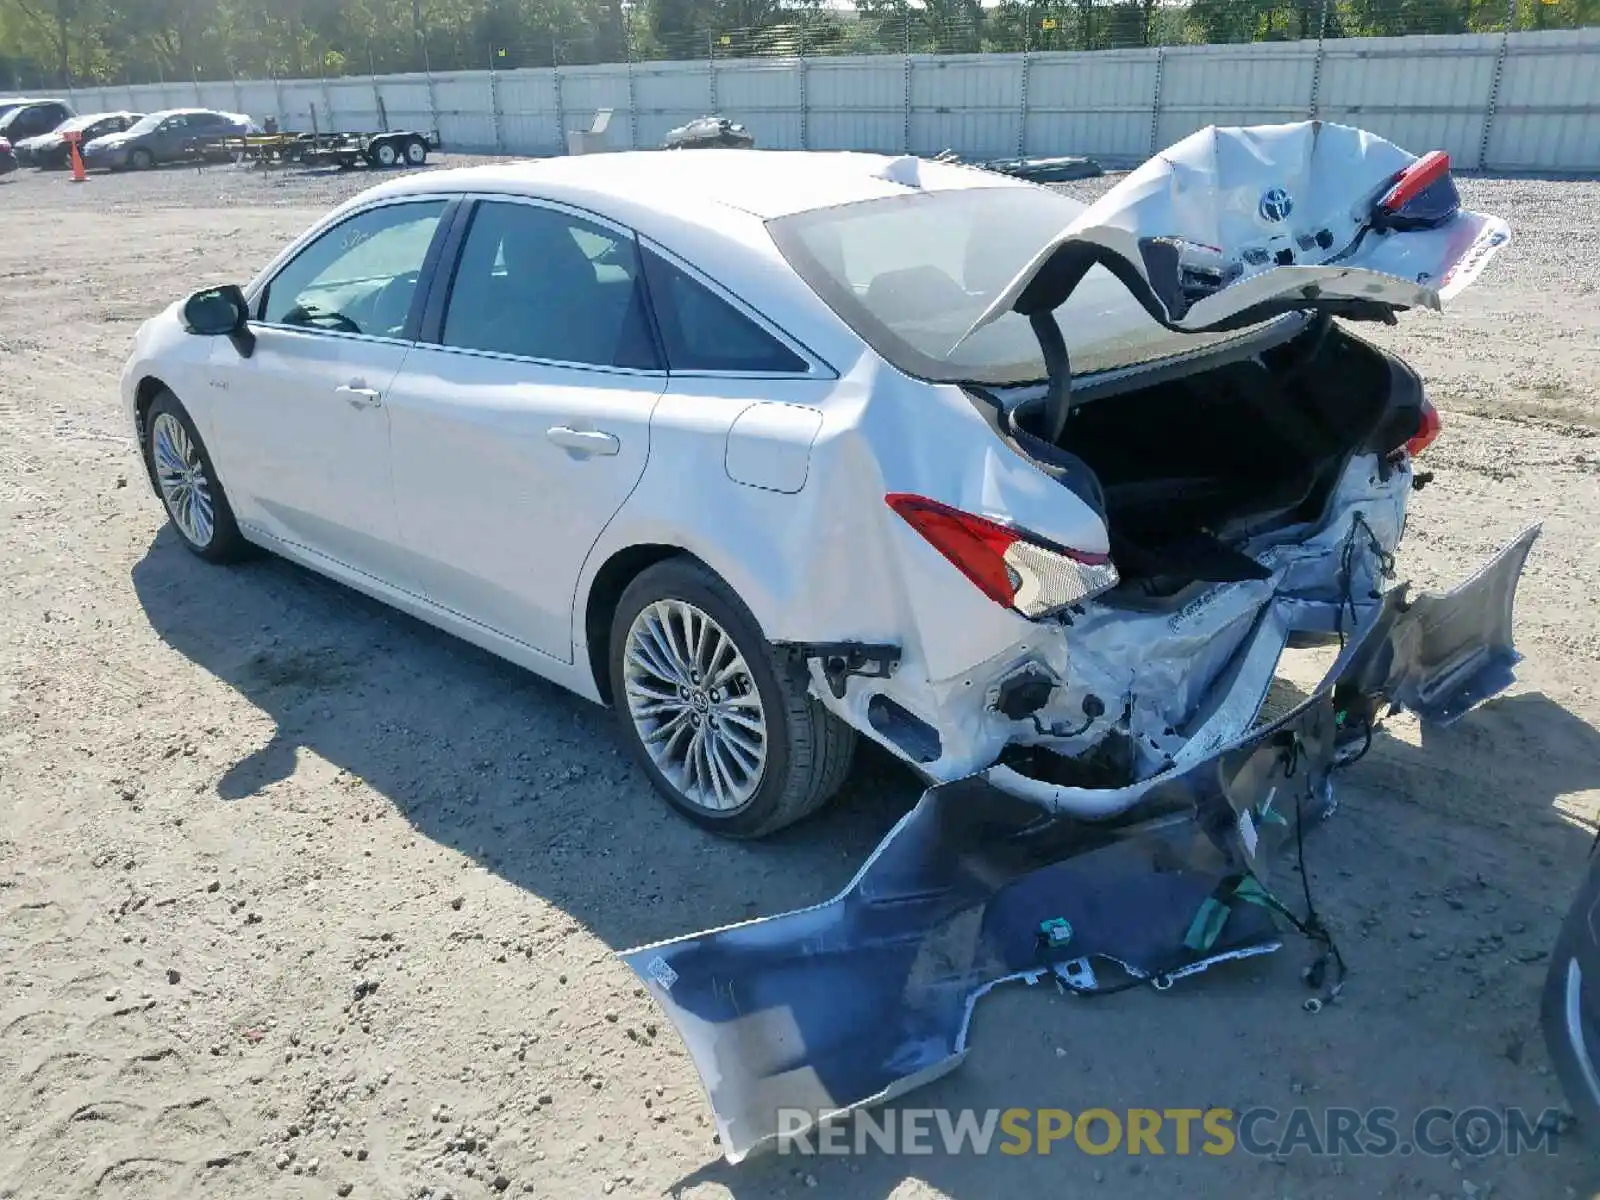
(770,450)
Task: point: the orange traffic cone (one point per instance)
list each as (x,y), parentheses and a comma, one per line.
(78,175)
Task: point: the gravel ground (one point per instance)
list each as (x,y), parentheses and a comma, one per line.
(301,898)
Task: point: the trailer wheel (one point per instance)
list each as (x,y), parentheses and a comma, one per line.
(384,153)
(416,151)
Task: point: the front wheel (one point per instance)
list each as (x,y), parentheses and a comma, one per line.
(187,481)
(720,722)
(141,159)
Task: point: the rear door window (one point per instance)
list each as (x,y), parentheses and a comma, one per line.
(703,332)
(538,282)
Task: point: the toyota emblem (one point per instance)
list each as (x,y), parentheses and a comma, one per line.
(1276,205)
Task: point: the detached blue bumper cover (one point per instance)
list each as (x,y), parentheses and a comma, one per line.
(869,995)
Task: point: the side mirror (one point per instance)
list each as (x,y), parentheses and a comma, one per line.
(221,312)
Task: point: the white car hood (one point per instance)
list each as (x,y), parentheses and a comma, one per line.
(1231,225)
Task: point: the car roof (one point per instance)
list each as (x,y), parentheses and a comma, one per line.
(762,183)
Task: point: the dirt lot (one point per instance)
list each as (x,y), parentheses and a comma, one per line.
(296,893)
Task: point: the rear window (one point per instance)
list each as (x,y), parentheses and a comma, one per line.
(702,332)
(910,274)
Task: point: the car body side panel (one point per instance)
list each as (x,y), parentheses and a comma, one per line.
(831,561)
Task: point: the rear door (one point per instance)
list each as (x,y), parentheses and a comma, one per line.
(206,131)
(522,421)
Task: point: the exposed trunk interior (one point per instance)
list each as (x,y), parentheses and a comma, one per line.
(1192,463)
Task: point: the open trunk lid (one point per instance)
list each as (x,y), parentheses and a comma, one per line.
(1234,225)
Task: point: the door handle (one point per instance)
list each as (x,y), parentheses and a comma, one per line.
(359,397)
(587,442)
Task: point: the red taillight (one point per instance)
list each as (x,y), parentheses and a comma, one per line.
(1428,427)
(1008,565)
(5,146)
(1416,179)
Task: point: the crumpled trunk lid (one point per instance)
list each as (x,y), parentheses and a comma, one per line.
(1234,225)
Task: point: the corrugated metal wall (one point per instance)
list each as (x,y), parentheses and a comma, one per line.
(1523,101)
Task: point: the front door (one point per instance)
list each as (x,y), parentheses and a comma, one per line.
(519,432)
(303,423)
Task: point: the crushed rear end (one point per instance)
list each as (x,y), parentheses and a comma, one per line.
(1108,792)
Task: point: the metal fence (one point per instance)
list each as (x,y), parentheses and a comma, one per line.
(1507,100)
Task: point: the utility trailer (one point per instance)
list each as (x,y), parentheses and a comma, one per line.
(391,148)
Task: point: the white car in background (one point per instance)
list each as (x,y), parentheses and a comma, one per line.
(775,450)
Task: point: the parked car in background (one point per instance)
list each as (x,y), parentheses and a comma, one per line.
(8,160)
(49,151)
(29,118)
(710,133)
(175,135)
(1570,1007)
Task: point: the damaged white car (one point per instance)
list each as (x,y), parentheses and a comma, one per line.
(774,450)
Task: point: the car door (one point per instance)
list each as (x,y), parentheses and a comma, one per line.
(521,420)
(301,426)
(31,122)
(206,131)
(165,142)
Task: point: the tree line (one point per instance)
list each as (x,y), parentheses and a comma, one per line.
(61,42)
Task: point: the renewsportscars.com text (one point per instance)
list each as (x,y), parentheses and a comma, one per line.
(1214,1132)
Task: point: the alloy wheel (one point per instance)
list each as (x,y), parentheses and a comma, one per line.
(695,706)
(181,475)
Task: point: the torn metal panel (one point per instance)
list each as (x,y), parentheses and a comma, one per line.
(864,997)
(869,995)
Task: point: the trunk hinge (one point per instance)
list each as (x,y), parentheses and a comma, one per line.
(1058,400)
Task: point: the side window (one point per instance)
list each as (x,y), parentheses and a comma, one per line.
(703,332)
(540,283)
(358,277)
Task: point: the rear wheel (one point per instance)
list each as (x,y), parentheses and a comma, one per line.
(416,151)
(188,484)
(385,154)
(720,722)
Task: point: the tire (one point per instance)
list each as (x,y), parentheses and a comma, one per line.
(804,750)
(166,456)
(416,152)
(385,153)
(141,159)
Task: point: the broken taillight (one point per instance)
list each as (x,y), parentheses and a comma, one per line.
(1428,428)
(1420,197)
(1009,565)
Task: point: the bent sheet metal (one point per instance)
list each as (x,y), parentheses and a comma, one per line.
(866,996)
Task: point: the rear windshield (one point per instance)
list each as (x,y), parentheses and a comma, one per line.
(910,274)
